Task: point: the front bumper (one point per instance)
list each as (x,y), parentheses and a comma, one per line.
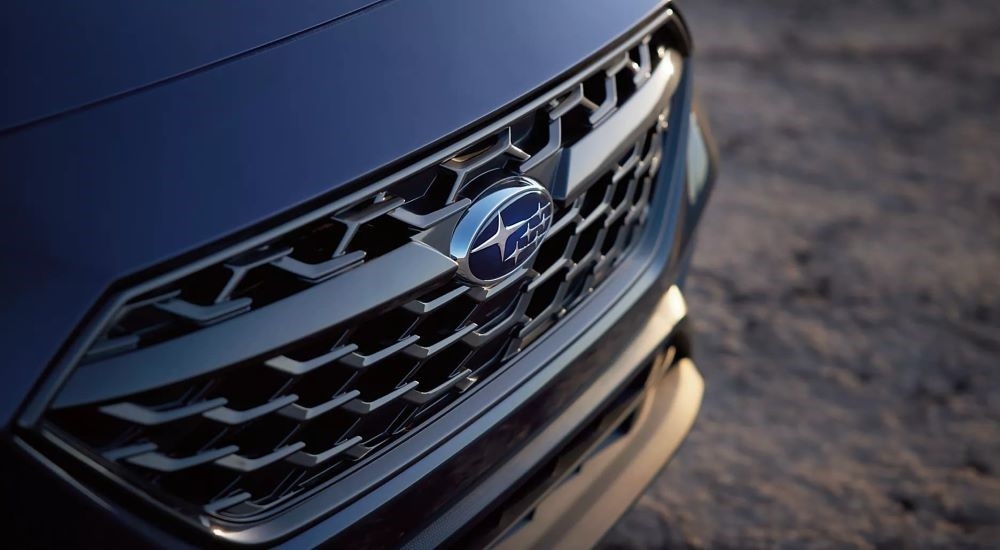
(599,489)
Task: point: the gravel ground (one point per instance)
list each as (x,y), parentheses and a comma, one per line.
(846,292)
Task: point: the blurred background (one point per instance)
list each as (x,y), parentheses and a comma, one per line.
(846,292)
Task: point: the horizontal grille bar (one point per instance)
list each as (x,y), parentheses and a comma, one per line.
(265,330)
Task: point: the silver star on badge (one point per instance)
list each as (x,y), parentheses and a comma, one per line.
(500,237)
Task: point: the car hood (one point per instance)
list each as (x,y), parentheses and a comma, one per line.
(55,53)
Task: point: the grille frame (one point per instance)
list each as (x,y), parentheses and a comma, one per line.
(31,419)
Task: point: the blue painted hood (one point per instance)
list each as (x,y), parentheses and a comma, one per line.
(59,55)
(110,189)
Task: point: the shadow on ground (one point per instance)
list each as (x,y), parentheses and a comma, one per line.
(846,293)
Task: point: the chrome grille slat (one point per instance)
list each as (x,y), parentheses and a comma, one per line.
(233,417)
(423,352)
(318,272)
(359,406)
(297,355)
(241,266)
(359,451)
(131,450)
(206,315)
(310,460)
(573,99)
(417,306)
(361,361)
(245,464)
(419,397)
(477,338)
(550,272)
(430,219)
(148,417)
(298,412)
(552,146)
(466,169)
(297,368)
(610,102)
(162,463)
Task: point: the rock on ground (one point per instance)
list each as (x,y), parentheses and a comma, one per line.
(846,292)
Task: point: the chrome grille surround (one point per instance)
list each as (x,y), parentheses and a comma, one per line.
(158,394)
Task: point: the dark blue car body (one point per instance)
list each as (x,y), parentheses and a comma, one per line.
(136,138)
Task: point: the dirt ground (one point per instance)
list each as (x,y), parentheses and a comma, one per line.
(846,292)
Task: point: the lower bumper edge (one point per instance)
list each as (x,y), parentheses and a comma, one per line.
(580,510)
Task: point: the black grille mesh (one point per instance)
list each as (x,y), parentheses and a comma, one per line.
(244,439)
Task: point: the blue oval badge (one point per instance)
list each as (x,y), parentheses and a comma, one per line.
(502,230)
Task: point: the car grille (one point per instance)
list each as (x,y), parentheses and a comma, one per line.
(237,384)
